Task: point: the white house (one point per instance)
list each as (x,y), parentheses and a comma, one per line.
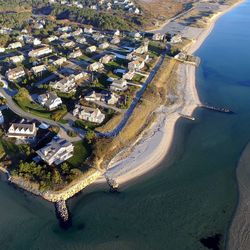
(65,85)
(104,45)
(115,40)
(158,37)
(56,152)
(15,45)
(75,54)
(176,39)
(88,114)
(49,100)
(106,59)
(38,69)
(2,50)
(81,40)
(36,42)
(119,85)
(96,66)
(88,30)
(40,52)
(17,59)
(52,38)
(60,61)
(91,49)
(22,130)
(14,74)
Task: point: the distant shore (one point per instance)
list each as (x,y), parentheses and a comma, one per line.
(155,146)
(239,233)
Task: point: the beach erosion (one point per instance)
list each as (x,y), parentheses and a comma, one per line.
(150,149)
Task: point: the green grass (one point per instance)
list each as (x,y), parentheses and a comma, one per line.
(82,151)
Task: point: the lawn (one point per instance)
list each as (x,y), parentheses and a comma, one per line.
(82,151)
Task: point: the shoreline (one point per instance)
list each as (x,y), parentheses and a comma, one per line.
(239,230)
(151,150)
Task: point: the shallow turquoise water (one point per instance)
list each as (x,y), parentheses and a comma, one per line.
(193,198)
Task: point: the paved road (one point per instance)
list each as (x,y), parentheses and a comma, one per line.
(64,127)
(137,98)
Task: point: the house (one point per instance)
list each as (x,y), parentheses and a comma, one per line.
(22,130)
(129,75)
(119,85)
(104,45)
(158,37)
(38,26)
(117,33)
(15,45)
(60,61)
(65,85)
(88,114)
(14,74)
(96,66)
(65,29)
(38,69)
(78,32)
(137,64)
(80,75)
(136,35)
(103,96)
(17,59)
(142,49)
(106,59)
(2,50)
(88,30)
(176,39)
(97,36)
(49,100)
(36,42)
(69,44)
(52,38)
(75,54)
(91,49)
(81,40)
(115,40)
(56,152)
(40,52)
(65,35)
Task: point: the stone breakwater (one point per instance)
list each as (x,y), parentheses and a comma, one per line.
(56,196)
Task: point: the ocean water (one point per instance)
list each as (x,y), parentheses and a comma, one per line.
(190,196)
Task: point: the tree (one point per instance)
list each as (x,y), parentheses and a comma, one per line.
(90,136)
(65,168)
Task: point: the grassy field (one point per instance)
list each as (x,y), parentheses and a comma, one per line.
(81,152)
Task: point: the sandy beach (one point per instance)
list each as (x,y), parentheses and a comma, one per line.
(239,233)
(155,145)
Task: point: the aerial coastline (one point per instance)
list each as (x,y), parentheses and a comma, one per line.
(149,152)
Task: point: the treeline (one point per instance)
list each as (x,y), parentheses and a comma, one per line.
(101,20)
(19,5)
(14,20)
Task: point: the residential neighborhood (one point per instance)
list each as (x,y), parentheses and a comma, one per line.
(68,85)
